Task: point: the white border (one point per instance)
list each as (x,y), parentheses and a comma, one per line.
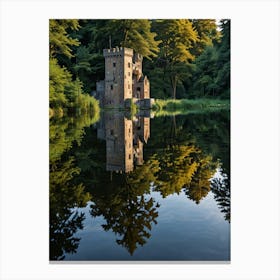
(24,138)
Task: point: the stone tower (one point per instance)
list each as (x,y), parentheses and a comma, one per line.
(118,76)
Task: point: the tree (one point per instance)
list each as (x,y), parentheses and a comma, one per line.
(177,39)
(63,90)
(224,59)
(130,33)
(66,93)
(205,79)
(208,34)
(88,65)
(59,77)
(211,75)
(59,39)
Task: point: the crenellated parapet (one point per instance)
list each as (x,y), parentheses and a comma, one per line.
(118,52)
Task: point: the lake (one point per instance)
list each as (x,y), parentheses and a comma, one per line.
(150,188)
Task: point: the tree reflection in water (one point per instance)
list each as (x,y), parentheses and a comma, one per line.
(220,186)
(64,195)
(128,213)
(181,160)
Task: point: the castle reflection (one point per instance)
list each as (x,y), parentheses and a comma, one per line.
(125,138)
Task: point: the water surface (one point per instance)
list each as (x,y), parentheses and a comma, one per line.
(140,188)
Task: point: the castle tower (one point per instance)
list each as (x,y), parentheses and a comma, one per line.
(118,76)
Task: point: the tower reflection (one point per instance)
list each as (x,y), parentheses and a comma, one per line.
(124,138)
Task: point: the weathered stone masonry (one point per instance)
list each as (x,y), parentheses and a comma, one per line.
(124,80)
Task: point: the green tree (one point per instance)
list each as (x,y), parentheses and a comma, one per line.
(63,90)
(211,75)
(59,77)
(208,34)
(130,33)
(205,77)
(224,59)
(59,39)
(177,39)
(66,91)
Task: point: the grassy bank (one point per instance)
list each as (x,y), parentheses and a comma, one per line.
(83,105)
(187,105)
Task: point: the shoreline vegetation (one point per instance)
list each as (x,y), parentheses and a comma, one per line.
(186,106)
(90,106)
(160,108)
(183,105)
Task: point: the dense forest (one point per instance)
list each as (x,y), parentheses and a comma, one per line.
(184,59)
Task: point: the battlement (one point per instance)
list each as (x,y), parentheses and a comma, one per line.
(117,51)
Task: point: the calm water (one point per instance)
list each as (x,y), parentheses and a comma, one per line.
(140,189)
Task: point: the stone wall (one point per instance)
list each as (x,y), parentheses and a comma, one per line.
(123,78)
(118,76)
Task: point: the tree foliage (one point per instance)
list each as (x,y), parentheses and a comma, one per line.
(59,39)
(130,33)
(177,39)
(207,33)
(211,75)
(65,91)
